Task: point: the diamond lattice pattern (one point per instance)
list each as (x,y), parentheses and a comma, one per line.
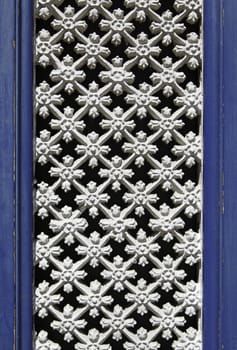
(118,156)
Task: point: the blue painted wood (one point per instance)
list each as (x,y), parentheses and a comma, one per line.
(229,268)
(7,187)
(24,176)
(212,173)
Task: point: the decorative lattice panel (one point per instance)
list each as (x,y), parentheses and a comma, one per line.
(118,107)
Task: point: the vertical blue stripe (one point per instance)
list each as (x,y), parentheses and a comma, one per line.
(229,279)
(212,173)
(24,167)
(7,187)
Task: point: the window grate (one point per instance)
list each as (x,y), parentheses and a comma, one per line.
(118,173)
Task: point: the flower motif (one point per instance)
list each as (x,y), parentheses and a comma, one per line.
(117,173)
(118,124)
(93,248)
(169,77)
(191,49)
(191,150)
(67,123)
(167,174)
(67,274)
(189,297)
(117,25)
(95,298)
(67,74)
(143,99)
(93,149)
(167,124)
(68,24)
(118,321)
(166,224)
(44,250)
(45,198)
(142,295)
(143,50)
(92,198)
(189,199)
(68,224)
(67,172)
(93,50)
(42,342)
(167,274)
(94,99)
(118,76)
(140,197)
(45,147)
(118,225)
(142,247)
(190,247)
(69,323)
(192,100)
(167,27)
(44,298)
(141,148)
(118,272)
(44,48)
(45,99)
(168,321)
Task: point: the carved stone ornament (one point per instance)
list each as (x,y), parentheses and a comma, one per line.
(118,175)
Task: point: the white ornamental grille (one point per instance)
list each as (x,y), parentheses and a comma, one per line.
(118,170)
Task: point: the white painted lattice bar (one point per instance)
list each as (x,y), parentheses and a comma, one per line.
(118,170)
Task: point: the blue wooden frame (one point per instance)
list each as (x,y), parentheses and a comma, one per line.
(212,174)
(220,174)
(229,224)
(7,187)
(24,175)
(16,174)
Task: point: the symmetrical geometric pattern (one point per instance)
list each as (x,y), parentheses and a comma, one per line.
(118,175)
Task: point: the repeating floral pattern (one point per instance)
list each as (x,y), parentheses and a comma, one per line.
(118,158)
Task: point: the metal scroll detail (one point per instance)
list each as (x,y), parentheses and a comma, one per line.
(118,107)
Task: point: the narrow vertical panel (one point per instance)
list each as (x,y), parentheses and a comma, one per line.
(212,172)
(229,312)
(118,174)
(24,176)
(7,61)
